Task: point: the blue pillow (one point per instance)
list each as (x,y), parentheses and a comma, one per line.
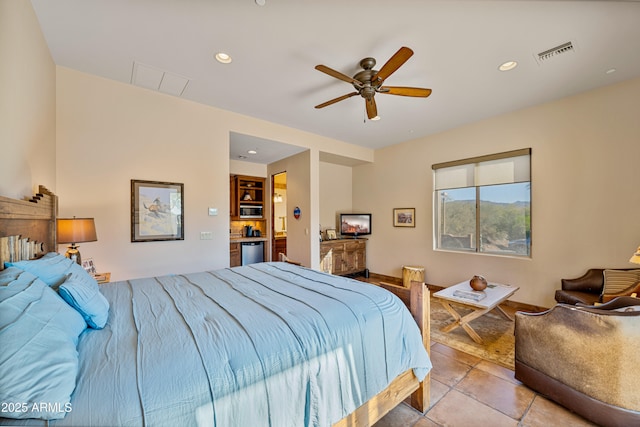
(38,357)
(52,269)
(84,295)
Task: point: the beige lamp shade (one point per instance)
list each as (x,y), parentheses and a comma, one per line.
(76,230)
(635,258)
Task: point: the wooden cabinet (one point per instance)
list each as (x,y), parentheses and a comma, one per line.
(248,191)
(233,194)
(235,257)
(343,256)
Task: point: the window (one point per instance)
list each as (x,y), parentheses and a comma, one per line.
(483,204)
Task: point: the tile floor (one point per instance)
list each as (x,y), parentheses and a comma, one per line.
(469,391)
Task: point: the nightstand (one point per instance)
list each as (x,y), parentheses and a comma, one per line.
(102,278)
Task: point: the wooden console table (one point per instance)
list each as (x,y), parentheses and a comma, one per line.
(343,256)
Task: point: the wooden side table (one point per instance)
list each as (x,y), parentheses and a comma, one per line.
(462,294)
(102,278)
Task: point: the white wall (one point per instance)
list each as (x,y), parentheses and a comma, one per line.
(109,133)
(27,103)
(585,198)
(302,192)
(238,167)
(335,192)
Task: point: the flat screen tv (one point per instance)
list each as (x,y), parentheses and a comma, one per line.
(355,224)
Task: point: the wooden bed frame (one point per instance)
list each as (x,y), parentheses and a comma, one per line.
(406,384)
(36,218)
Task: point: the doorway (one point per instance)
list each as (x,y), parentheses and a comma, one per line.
(278,215)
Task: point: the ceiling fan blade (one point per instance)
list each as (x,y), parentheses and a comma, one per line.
(405,91)
(372,109)
(395,62)
(338,75)
(338,99)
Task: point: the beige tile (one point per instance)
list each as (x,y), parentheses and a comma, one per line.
(469,391)
(498,371)
(509,398)
(458,355)
(458,410)
(446,369)
(425,422)
(438,390)
(401,415)
(544,412)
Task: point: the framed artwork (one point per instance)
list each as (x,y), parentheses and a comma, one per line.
(89,266)
(157,211)
(404,217)
(331,234)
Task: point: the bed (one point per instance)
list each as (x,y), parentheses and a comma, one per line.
(268,344)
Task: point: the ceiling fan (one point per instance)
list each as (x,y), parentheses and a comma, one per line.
(368,82)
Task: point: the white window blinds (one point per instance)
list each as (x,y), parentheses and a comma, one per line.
(502,168)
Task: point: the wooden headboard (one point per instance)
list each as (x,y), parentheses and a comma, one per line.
(28,227)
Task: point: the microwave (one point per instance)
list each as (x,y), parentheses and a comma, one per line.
(250,211)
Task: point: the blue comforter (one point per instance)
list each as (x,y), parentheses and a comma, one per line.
(268,344)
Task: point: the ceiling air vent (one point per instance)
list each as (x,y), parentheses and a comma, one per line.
(555,51)
(156,79)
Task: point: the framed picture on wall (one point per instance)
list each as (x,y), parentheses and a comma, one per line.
(404,217)
(157,211)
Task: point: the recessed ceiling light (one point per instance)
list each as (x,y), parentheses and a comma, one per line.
(611,71)
(223,58)
(252,152)
(261,2)
(509,65)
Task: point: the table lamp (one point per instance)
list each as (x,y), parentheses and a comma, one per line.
(76,230)
(635,258)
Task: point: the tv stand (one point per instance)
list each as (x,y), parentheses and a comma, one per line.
(343,256)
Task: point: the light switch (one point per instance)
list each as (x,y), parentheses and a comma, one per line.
(206,235)
(213,211)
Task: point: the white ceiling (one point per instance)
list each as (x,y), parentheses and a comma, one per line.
(247,148)
(458,47)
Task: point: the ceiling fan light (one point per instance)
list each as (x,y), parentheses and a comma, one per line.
(223,58)
(507,66)
(375,119)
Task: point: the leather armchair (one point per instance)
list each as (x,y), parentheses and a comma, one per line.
(585,359)
(585,289)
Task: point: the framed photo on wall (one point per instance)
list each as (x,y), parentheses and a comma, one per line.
(157,211)
(404,217)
